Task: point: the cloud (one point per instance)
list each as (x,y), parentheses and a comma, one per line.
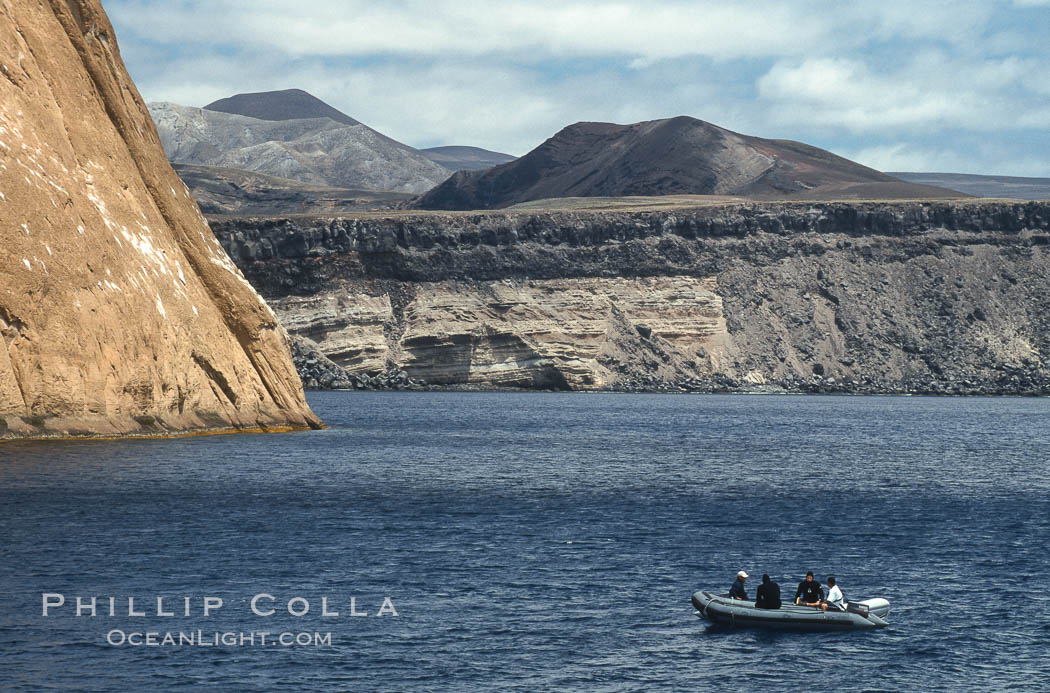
(908,157)
(930,91)
(845,94)
(946,21)
(962,157)
(653,30)
(893,78)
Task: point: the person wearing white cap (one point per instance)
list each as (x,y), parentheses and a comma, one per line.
(737,590)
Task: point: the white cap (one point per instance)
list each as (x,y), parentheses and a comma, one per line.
(742,574)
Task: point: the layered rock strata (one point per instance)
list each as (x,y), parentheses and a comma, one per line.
(877,297)
(547,334)
(120,314)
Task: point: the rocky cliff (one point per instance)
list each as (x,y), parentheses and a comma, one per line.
(120,314)
(944,297)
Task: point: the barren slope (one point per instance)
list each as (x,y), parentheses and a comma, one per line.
(319,151)
(234,191)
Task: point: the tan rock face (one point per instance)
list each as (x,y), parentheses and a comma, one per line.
(119,312)
(560,333)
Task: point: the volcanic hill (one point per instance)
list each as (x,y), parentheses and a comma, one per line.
(679,155)
(290,134)
(287,104)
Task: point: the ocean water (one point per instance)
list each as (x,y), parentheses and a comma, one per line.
(537,542)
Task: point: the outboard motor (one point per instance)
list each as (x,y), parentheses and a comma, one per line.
(875,607)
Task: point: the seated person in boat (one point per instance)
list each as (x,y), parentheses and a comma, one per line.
(808,592)
(768,595)
(737,590)
(834,599)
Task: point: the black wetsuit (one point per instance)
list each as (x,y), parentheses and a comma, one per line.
(768,596)
(809,592)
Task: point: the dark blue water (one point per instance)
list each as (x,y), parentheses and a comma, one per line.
(541,542)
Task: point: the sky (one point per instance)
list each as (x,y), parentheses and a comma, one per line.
(916,85)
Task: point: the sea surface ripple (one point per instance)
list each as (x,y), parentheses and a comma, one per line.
(538,542)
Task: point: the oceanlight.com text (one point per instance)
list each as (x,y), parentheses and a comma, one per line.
(199,638)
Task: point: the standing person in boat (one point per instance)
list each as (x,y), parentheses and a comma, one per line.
(737,590)
(834,598)
(808,592)
(768,594)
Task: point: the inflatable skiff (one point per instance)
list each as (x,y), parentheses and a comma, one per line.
(867,614)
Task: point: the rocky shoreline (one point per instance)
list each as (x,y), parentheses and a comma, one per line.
(318,372)
(321,378)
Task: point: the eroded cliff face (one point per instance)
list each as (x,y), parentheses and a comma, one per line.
(550,334)
(865,297)
(120,314)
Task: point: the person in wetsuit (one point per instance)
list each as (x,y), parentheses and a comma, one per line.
(737,590)
(768,595)
(808,592)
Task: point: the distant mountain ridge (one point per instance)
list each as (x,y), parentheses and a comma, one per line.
(459,158)
(329,149)
(1012,187)
(680,155)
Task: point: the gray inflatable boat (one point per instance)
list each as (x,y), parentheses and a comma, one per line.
(870,613)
